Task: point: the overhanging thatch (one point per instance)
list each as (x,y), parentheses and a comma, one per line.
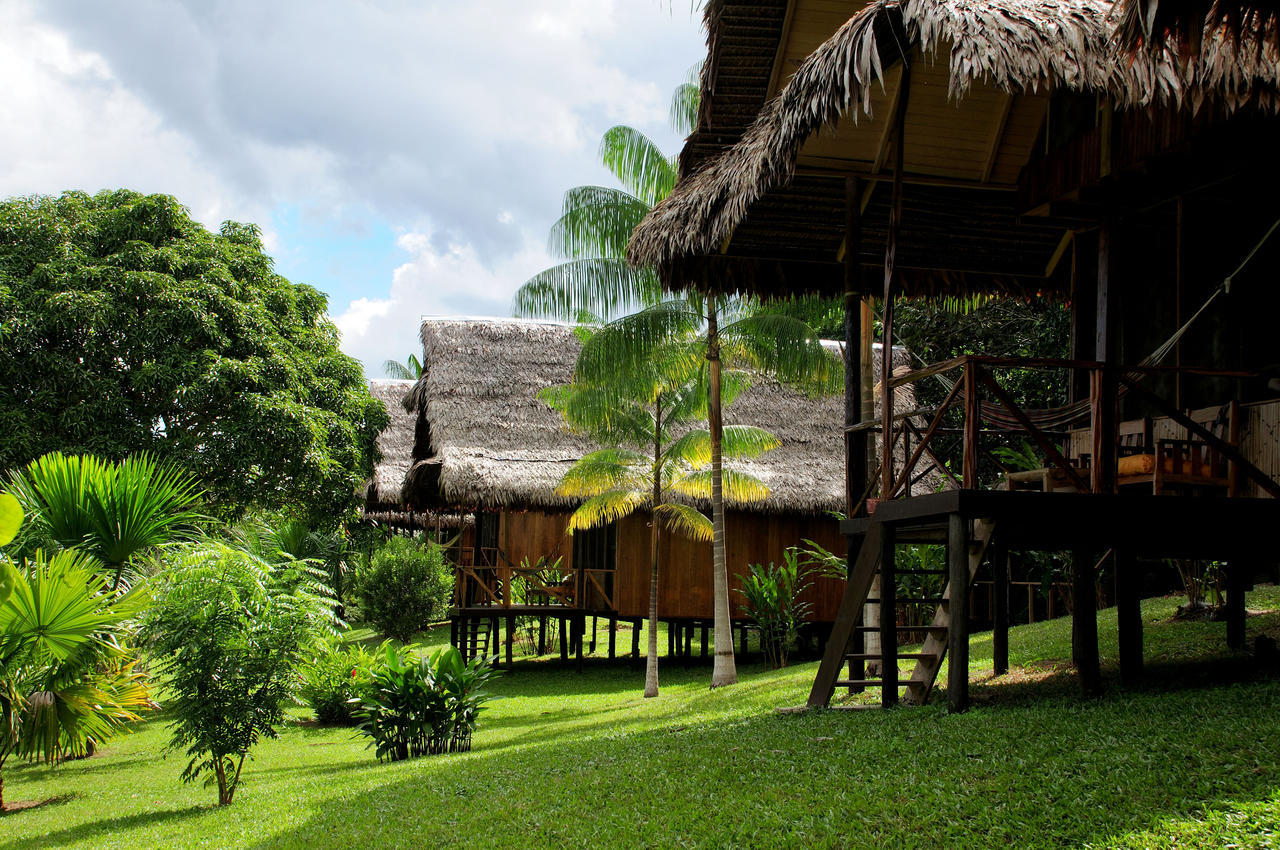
(382,491)
(1012,46)
(493,444)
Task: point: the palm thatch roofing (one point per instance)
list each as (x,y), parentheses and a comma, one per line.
(760,204)
(491,444)
(395,443)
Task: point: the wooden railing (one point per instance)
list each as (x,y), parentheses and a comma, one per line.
(918,440)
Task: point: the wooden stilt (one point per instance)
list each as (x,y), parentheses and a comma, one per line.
(1000,607)
(705,640)
(613,636)
(581,622)
(595,627)
(635,641)
(672,628)
(1128,616)
(542,635)
(511,634)
(958,636)
(453,632)
(1236,580)
(688,640)
(888,620)
(564,638)
(1084,623)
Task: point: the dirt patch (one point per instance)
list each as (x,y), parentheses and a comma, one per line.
(24,805)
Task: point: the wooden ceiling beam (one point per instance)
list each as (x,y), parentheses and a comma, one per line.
(997,136)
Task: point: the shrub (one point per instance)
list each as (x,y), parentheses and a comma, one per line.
(420,705)
(405,587)
(772,603)
(333,679)
(230,631)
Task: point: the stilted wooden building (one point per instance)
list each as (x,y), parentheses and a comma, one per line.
(1123,160)
(485,445)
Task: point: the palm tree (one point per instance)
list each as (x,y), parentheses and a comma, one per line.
(409,370)
(67,676)
(592,234)
(643,406)
(113,511)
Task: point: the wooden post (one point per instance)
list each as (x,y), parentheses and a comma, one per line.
(613,636)
(581,624)
(453,632)
(1236,580)
(1105,392)
(635,640)
(972,420)
(564,639)
(888,619)
(958,610)
(706,640)
(1000,606)
(1128,615)
(542,635)
(855,443)
(890,275)
(511,633)
(1084,623)
(594,628)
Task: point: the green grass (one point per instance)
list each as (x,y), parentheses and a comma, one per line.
(566,759)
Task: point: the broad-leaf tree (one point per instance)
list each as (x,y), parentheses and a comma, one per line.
(644,414)
(130,328)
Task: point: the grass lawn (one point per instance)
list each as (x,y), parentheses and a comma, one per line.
(567,759)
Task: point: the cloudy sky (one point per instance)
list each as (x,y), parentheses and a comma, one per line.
(406,158)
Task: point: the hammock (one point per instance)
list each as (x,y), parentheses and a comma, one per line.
(1056,418)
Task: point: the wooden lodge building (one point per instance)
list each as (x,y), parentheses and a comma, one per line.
(472,439)
(1120,158)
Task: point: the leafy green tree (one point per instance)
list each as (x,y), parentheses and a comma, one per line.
(409,370)
(405,587)
(230,631)
(67,672)
(640,412)
(113,511)
(129,328)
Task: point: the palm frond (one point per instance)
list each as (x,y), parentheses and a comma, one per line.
(608,416)
(785,348)
(736,486)
(630,344)
(604,287)
(410,370)
(638,163)
(604,508)
(683,112)
(685,521)
(602,471)
(747,441)
(596,221)
(692,449)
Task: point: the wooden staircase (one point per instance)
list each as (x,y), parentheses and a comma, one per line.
(476,635)
(934,638)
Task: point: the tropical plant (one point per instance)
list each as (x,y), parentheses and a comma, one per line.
(409,370)
(276,537)
(639,412)
(113,511)
(405,587)
(231,631)
(420,705)
(772,601)
(130,328)
(334,678)
(67,673)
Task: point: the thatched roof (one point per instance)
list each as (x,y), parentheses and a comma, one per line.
(997,58)
(382,491)
(493,444)
(1221,44)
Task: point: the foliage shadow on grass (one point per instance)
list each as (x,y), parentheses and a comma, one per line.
(85,833)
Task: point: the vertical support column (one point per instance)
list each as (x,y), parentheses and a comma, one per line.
(888,618)
(613,636)
(1128,616)
(1084,622)
(958,610)
(890,281)
(855,443)
(564,639)
(972,418)
(1104,419)
(1236,582)
(453,632)
(542,635)
(635,641)
(1000,610)
(510,642)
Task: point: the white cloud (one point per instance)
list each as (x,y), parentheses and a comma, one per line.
(434,282)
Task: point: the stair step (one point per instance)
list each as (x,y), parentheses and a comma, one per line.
(875,656)
(851,683)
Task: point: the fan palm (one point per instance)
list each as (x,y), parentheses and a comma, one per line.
(409,370)
(113,511)
(67,677)
(644,406)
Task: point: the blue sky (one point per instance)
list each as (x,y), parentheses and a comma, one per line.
(404,157)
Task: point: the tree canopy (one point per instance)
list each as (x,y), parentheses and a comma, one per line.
(127,327)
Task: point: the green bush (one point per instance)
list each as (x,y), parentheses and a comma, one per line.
(404,588)
(423,705)
(772,603)
(335,677)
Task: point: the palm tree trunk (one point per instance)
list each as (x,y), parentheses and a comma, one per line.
(724,672)
(651,661)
